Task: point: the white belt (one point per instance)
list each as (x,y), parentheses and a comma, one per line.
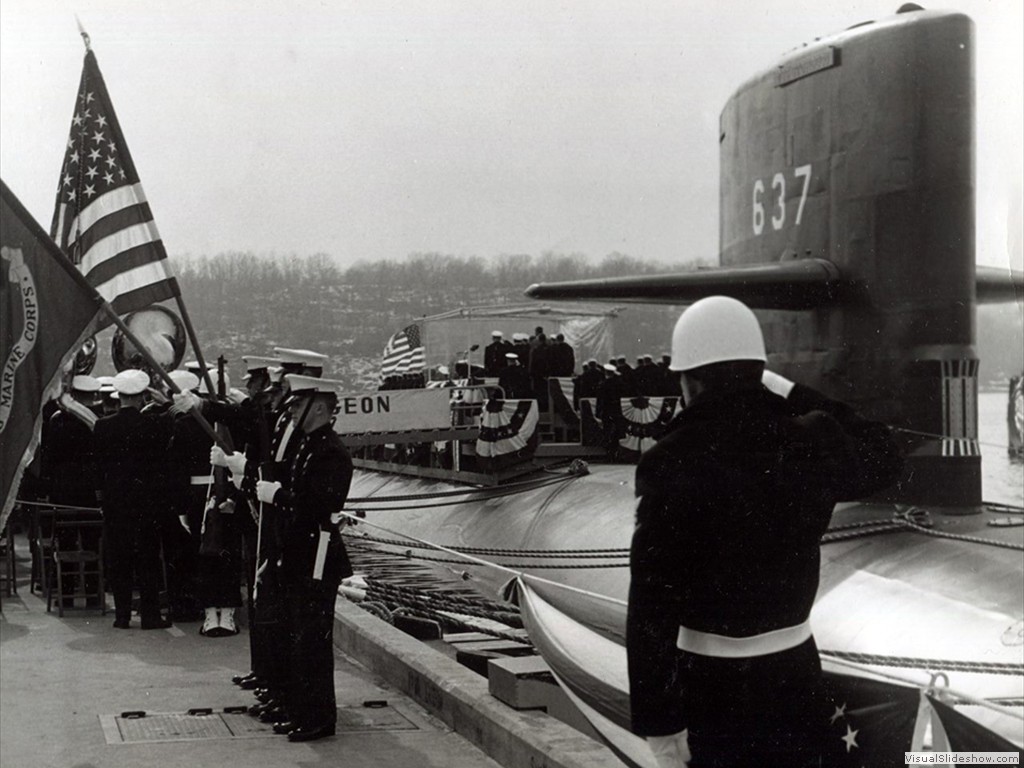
(201,479)
(722,646)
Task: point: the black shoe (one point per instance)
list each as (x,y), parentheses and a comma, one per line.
(273,715)
(284,727)
(122,624)
(241,679)
(310,733)
(158,623)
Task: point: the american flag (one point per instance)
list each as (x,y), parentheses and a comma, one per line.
(102,220)
(403,353)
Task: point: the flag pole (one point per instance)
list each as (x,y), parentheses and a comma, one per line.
(83,33)
(158,369)
(191,331)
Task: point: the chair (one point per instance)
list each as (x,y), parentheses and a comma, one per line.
(78,558)
(40,538)
(10,572)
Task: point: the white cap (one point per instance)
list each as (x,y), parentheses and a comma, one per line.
(304,357)
(195,367)
(497,334)
(203,389)
(184,380)
(131,381)
(300,385)
(255,363)
(716,329)
(83,383)
(511,356)
(443,370)
(610,368)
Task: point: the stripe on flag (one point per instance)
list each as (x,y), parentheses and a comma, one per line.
(101,219)
(403,353)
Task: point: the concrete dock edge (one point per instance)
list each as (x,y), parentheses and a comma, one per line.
(460,698)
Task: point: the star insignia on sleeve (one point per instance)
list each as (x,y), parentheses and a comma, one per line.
(850,738)
(840,712)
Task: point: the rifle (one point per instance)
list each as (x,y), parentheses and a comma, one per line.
(212,530)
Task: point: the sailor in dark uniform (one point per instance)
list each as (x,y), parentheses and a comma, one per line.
(494,354)
(514,379)
(733,502)
(130,449)
(313,557)
(67,466)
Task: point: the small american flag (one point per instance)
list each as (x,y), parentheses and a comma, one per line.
(102,220)
(403,353)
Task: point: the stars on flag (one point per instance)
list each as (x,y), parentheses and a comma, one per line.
(850,738)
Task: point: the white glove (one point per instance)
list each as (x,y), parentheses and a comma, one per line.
(184,402)
(670,751)
(236,463)
(265,491)
(217,457)
(227,507)
(184,523)
(780,385)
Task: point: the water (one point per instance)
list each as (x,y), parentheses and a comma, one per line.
(1002,477)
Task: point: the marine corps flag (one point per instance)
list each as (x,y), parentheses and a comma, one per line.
(102,220)
(47,311)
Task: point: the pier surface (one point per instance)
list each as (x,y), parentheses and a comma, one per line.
(65,682)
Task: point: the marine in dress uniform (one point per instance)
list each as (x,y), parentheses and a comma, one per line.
(271,657)
(313,557)
(130,449)
(733,502)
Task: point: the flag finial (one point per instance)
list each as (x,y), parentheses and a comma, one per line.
(83,33)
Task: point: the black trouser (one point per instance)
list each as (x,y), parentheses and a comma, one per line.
(269,639)
(132,553)
(310,700)
(766,710)
(219,549)
(180,560)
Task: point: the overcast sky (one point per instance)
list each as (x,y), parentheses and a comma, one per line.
(378,128)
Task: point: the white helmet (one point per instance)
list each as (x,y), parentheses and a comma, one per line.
(716,329)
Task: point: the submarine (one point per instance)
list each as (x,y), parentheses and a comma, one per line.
(847,204)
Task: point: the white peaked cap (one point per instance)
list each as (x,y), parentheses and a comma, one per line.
(511,355)
(300,357)
(300,385)
(131,381)
(258,363)
(497,334)
(83,383)
(184,380)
